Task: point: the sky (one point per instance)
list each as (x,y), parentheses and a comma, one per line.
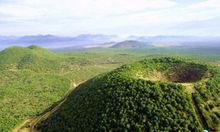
(115,17)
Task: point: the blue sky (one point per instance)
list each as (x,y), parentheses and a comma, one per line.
(119,17)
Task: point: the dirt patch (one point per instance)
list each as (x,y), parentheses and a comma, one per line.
(154,76)
(216,63)
(187,73)
(189,87)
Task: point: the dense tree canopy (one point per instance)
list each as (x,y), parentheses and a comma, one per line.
(146,95)
(121,100)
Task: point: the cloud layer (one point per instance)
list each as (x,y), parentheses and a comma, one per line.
(72,17)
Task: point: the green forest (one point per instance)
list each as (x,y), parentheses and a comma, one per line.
(109,89)
(33,78)
(121,101)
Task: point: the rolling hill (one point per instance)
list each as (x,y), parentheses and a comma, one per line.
(157,94)
(33,79)
(27,77)
(13,54)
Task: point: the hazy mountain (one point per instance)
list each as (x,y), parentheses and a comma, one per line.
(130,44)
(98,40)
(51,41)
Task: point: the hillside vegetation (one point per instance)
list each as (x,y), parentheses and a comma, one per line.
(33,78)
(130,99)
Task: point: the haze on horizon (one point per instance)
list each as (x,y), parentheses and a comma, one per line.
(120,17)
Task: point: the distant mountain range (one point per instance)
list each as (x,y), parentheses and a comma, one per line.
(130,44)
(99,40)
(51,41)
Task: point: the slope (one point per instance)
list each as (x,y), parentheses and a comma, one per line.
(128,99)
(33,78)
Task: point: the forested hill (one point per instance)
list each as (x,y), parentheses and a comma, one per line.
(159,94)
(33,78)
(16,54)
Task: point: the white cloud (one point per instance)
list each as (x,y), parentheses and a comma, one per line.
(16,11)
(78,16)
(80,8)
(206,4)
